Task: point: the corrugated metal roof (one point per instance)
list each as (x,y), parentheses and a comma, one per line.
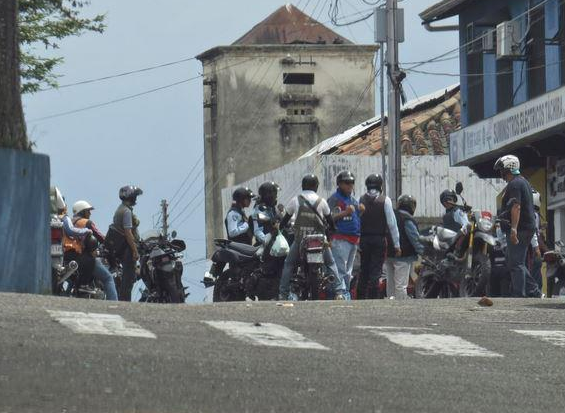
(441,107)
(288,25)
(443,10)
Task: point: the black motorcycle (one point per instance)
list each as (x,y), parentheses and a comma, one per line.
(555,260)
(161,269)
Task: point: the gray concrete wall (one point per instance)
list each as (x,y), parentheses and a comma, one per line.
(423,177)
(247,102)
(25,238)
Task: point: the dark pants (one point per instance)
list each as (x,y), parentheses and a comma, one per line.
(516,264)
(85,265)
(128,276)
(372,250)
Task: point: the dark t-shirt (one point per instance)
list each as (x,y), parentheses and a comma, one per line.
(520,189)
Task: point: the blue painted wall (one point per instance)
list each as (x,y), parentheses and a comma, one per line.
(25,237)
(480,9)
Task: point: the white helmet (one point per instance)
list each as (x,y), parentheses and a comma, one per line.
(80,206)
(537,198)
(57,199)
(509,163)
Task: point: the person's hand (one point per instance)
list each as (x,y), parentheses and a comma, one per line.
(361,208)
(397,252)
(135,255)
(350,210)
(514,236)
(537,252)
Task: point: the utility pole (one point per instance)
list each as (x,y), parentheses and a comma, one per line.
(165,218)
(382,93)
(395,77)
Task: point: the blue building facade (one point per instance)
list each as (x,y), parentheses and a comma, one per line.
(512,65)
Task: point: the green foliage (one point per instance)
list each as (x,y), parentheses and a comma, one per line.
(44,23)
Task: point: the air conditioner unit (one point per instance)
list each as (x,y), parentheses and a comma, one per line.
(508,40)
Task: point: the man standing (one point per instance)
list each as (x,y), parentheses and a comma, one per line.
(378,216)
(398,268)
(346,215)
(518,204)
(312,216)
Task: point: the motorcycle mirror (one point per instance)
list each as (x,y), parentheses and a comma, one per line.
(458,188)
(173,234)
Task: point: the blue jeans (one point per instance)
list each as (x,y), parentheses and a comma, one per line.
(290,264)
(516,263)
(344,254)
(102,274)
(534,287)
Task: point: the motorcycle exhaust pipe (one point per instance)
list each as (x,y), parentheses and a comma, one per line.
(73,266)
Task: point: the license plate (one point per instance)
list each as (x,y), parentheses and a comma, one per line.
(314,258)
(56,249)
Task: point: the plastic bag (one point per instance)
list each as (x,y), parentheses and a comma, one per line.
(280,247)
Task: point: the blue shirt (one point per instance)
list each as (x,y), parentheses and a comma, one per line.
(348,225)
(235,224)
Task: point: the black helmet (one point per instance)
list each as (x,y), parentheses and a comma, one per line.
(310,183)
(268,192)
(448,196)
(407,203)
(374,181)
(242,193)
(345,176)
(130,193)
(90,244)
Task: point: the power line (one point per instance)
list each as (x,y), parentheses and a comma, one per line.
(131,72)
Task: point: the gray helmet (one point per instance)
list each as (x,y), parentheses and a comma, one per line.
(130,193)
(241,194)
(407,203)
(374,181)
(310,183)
(345,176)
(448,196)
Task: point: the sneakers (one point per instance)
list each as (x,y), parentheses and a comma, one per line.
(339,297)
(283,297)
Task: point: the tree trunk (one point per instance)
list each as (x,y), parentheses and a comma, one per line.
(12,123)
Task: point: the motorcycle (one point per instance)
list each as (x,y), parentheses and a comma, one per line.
(474,251)
(161,269)
(251,270)
(555,260)
(439,275)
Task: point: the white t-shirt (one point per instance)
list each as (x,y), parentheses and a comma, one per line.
(312,197)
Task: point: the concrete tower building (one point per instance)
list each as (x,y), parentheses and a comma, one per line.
(273,94)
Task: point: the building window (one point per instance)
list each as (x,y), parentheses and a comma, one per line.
(298,78)
(504,84)
(536,52)
(475,80)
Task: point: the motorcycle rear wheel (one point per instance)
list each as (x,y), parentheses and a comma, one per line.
(426,286)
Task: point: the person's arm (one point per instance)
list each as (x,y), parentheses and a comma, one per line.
(96,232)
(514,219)
(462,219)
(236,225)
(413,236)
(73,231)
(258,231)
(127,223)
(392,225)
(286,219)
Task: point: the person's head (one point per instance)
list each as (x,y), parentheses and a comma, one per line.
(407,203)
(537,200)
(242,197)
(268,192)
(310,183)
(374,182)
(508,166)
(82,209)
(129,194)
(448,198)
(346,182)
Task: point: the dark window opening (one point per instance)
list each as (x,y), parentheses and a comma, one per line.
(536,53)
(561,39)
(298,78)
(475,94)
(504,84)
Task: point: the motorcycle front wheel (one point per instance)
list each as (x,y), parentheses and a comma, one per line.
(477,283)
(224,292)
(426,286)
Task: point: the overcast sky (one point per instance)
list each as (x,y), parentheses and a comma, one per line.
(154,140)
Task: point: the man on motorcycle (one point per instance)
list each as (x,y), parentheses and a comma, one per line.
(312,215)
(123,235)
(266,204)
(237,222)
(346,213)
(82,211)
(377,218)
(454,219)
(398,268)
(518,205)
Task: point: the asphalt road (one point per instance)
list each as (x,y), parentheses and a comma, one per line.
(454,357)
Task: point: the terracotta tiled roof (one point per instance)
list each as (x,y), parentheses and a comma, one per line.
(425,130)
(289,25)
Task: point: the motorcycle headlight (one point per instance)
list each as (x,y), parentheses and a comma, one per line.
(485,225)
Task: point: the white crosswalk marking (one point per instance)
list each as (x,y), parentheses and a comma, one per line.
(103,324)
(555,337)
(265,334)
(431,344)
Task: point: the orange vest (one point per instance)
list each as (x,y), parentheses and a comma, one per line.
(74,244)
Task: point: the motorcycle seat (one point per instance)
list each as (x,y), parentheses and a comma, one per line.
(244,249)
(446,235)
